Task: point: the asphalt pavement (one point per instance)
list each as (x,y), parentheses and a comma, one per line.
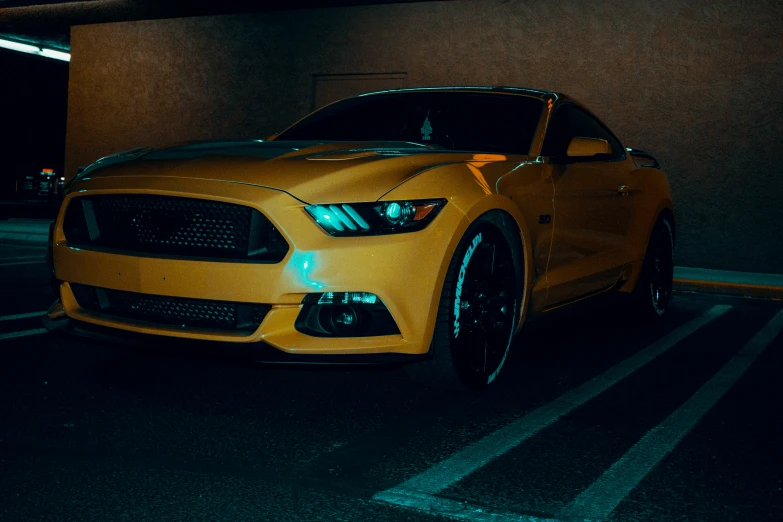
(595,417)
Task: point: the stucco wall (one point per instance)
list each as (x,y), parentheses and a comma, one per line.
(700,84)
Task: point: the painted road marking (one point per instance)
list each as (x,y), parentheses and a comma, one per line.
(21,316)
(23,333)
(603,496)
(418,492)
(457,510)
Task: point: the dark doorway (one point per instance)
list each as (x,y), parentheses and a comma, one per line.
(33,111)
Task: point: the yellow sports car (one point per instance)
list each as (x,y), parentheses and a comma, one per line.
(420,225)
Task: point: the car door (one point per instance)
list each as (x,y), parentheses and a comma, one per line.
(591,208)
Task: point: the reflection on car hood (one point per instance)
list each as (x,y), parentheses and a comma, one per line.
(313,172)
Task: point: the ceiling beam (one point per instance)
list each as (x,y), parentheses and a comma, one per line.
(102,11)
(49,24)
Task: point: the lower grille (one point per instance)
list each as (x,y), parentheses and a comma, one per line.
(172,311)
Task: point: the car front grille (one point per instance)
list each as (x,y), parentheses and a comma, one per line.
(171,311)
(173,227)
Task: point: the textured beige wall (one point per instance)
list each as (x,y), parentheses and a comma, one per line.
(700,84)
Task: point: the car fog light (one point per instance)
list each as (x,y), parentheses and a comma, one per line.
(343,318)
(347,298)
(345,314)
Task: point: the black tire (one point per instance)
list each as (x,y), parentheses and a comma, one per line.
(478,309)
(653,291)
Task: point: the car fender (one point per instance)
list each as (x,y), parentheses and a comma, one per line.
(473,200)
(652,200)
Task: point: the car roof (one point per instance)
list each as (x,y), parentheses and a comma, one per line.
(498,88)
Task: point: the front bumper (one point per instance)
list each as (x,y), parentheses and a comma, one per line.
(258,352)
(405,271)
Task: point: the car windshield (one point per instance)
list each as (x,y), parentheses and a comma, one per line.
(486,122)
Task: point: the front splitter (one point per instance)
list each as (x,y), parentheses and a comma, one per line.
(56,321)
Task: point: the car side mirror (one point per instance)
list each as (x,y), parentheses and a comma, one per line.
(587,147)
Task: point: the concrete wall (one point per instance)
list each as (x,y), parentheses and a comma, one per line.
(700,84)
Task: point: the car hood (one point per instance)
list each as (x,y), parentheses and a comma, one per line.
(313,172)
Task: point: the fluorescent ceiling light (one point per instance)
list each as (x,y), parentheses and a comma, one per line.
(33,49)
(57,55)
(16,46)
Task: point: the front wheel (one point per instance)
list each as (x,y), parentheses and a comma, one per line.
(478,310)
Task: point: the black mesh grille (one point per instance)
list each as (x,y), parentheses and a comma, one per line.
(166,225)
(172,311)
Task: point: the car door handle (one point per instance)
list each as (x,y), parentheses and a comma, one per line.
(623,190)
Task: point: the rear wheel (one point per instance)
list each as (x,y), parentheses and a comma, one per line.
(653,291)
(478,310)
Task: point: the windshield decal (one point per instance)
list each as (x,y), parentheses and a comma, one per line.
(426,128)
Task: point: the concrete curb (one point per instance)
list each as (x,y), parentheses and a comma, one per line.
(724,282)
(24,239)
(702,287)
(25,231)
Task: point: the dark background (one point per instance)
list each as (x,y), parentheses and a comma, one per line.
(698,84)
(33,107)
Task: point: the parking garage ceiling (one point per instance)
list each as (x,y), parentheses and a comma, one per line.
(48,22)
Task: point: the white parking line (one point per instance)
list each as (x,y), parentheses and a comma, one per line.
(418,492)
(21,316)
(23,333)
(603,496)
(458,510)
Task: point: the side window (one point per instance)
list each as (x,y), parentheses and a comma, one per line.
(570,122)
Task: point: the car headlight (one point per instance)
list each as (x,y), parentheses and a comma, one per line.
(380,217)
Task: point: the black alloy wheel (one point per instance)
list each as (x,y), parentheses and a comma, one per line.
(482,314)
(653,292)
(478,310)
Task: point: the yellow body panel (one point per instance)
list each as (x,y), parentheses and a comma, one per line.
(579,236)
(316,262)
